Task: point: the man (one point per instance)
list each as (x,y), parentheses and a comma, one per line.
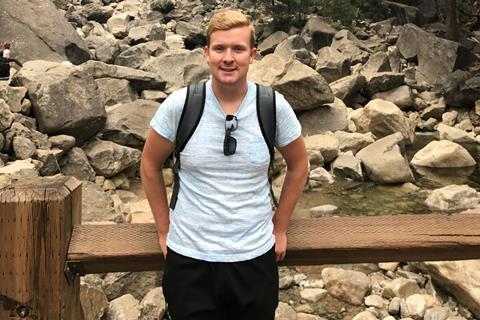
(221,242)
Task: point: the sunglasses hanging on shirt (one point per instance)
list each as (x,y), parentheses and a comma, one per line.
(230,143)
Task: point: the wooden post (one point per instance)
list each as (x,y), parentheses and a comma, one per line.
(36,221)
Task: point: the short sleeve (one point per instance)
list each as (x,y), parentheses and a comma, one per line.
(288,126)
(165,121)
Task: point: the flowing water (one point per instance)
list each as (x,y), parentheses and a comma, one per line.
(368,198)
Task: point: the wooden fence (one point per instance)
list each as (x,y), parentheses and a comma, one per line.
(45,249)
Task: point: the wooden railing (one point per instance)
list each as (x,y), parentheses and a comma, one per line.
(45,248)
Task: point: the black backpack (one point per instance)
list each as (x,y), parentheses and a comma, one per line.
(192,112)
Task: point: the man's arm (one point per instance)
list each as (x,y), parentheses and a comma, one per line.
(155,153)
(295,155)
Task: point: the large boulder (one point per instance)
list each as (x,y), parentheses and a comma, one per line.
(384,160)
(332,64)
(178,67)
(317,33)
(302,86)
(329,117)
(108,158)
(460,278)
(443,154)
(38,31)
(384,118)
(453,198)
(437,57)
(128,123)
(65,99)
(347,285)
(348,87)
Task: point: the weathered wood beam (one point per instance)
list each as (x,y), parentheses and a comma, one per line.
(134,247)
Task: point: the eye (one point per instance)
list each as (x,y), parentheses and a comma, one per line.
(239,49)
(218,49)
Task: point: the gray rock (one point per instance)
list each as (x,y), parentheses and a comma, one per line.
(153,304)
(57,89)
(63,142)
(6,116)
(328,117)
(15,97)
(383,81)
(114,91)
(178,67)
(124,307)
(322,211)
(347,167)
(347,87)
(365,315)
(317,33)
(302,86)
(443,154)
(385,161)
(453,197)
(401,288)
(93,300)
(268,45)
(108,158)
(332,64)
(327,144)
(416,306)
(294,47)
(394,306)
(24,148)
(135,56)
(313,294)
(285,312)
(353,141)
(446,132)
(48,158)
(128,124)
(400,96)
(437,313)
(39,31)
(75,163)
(97,205)
(346,285)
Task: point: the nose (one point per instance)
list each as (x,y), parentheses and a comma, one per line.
(228,56)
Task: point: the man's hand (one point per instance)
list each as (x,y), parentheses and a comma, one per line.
(162,240)
(280,245)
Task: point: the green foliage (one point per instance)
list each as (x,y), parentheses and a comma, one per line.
(58,3)
(380,48)
(208,7)
(288,13)
(345,12)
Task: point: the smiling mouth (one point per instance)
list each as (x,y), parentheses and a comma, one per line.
(228,70)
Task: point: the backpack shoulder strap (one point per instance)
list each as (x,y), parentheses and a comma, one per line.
(191,114)
(267,119)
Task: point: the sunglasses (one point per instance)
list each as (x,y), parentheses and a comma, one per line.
(230,143)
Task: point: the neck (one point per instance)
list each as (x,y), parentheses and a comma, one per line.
(229,93)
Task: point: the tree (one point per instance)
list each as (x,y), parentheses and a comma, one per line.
(452,24)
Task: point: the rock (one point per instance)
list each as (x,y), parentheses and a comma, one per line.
(285,312)
(6,116)
(400,96)
(443,154)
(114,91)
(124,307)
(394,306)
(137,284)
(352,141)
(294,47)
(347,87)
(184,67)
(365,315)
(322,211)
(49,164)
(320,177)
(302,86)
(153,304)
(332,64)
(285,282)
(306,316)
(384,161)
(328,117)
(346,285)
(453,198)
(400,287)
(347,167)
(313,295)
(416,306)
(377,62)
(57,89)
(128,123)
(268,45)
(15,98)
(446,132)
(97,205)
(194,35)
(388,266)
(375,301)
(135,56)
(24,148)
(76,164)
(39,31)
(435,109)
(93,300)
(108,158)
(437,313)
(437,58)
(117,24)
(25,168)
(346,42)
(317,33)
(326,144)
(62,142)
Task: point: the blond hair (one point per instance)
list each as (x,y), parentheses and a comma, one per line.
(229,19)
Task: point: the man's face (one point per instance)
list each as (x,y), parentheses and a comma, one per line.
(229,55)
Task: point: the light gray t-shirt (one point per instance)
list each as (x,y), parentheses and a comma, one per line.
(223,212)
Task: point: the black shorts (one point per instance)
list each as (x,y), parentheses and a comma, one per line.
(200,290)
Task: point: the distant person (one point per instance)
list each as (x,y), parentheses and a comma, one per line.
(5,59)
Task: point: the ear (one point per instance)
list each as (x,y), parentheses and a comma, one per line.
(206,53)
(253,54)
